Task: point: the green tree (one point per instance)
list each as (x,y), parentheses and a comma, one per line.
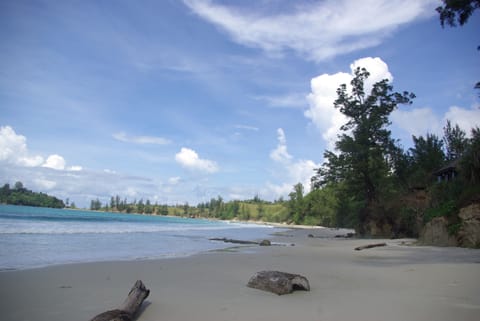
(95,205)
(148,207)
(427,156)
(470,162)
(112,203)
(20,195)
(455,140)
(365,151)
(18,186)
(140,206)
(296,204)
(260,210)
(321,206)
(457,11)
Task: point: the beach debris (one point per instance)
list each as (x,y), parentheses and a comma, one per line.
(347,236)
(278,282)
(224,239)
(129,308)
(369,246)
(265,243)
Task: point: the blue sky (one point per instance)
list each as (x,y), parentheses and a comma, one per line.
(181,101)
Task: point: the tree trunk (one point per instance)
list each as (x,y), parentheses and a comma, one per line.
(130,306)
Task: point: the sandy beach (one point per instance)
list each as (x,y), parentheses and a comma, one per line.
(396,282)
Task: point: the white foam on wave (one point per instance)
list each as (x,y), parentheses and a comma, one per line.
(110,227)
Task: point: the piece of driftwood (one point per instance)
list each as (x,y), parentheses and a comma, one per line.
(348,235)
(224,239)
(278,282)
(369,246)
(129,308)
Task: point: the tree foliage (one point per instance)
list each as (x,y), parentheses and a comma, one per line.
(455,12)
(19,195)
(470,162)
(426,156)
(365,151)
(458,11)
(455,140)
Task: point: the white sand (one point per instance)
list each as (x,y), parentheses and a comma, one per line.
(396,282)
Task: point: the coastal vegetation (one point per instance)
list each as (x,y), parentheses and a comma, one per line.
(369,182)
(19,195)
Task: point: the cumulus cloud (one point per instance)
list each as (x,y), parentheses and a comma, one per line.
(465,118)
(416,121)
(55,162)
(189,159)
(420,121)
(13,150)
(293,171)
(123,137)
(315,30)
(321,111)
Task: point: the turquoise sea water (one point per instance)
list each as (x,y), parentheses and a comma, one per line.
(35,237)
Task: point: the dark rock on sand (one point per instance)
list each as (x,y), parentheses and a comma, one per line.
(278,282)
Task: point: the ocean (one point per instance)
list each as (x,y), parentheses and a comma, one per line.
(32,237)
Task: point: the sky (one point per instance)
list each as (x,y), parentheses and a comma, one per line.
(183,101)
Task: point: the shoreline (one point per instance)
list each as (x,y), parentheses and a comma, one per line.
(396,282)
(277,231)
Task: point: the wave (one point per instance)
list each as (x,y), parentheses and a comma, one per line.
(110,228)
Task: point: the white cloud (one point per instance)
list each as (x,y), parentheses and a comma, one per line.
(189,159)
(293,171)
(377,68)
(247,127)
(55,162)
(30,161)
(465,118)
(315,30)
(417,121)
(280,154)
(13,149)
(45,183)
(123,137)
(277,190)
(322,112)
(293,100)
(174,180)
(420,121)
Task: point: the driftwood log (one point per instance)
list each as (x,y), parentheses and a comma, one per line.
(369,246)
(224,239)
(129,308)
(278,282)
